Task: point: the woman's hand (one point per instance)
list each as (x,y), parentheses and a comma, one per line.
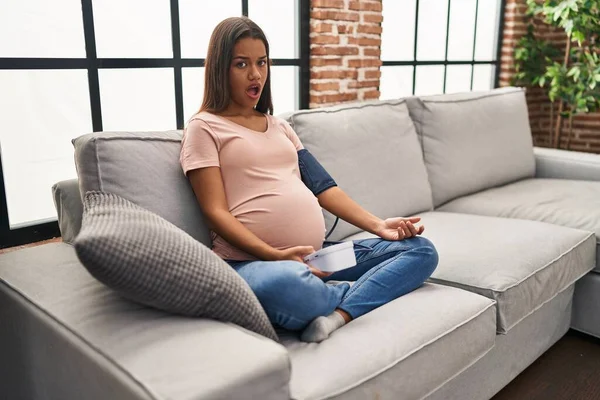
(399,228)
(297,254)
(318,273)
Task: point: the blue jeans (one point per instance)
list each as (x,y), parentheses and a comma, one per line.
(292,296)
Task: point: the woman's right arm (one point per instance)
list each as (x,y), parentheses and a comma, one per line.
(210,193)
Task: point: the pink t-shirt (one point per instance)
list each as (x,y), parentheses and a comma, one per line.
(261,179)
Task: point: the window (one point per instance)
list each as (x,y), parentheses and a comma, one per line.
(77,66)
(439,46)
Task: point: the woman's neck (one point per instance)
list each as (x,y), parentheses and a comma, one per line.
(234,111)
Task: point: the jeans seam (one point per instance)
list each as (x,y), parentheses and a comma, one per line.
(385,253)
(368,275)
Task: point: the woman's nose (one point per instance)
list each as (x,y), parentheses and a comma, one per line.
(254,73)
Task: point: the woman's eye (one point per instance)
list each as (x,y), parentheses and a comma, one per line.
(241,64)
(262,63)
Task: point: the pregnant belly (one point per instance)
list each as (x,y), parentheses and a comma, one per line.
(285,218)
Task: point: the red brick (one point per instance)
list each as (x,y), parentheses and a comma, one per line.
(321,28)
(586,123)
(345,28)
(363,84)
(334,50)
(327,3)
(325,62)
(335,15)
(365,5)
(364,63)
(364,41)
(325,39)
(371,94)
(372,52)
(375,18)
(321,87)
(333,98)
(335,74)
(373,74)
(374,29)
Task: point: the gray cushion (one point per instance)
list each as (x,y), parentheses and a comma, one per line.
(69,208)
(149,260)
(76,338)
(142,167)
(473,141)
(409,346)
(575,204)
(373,153)
(520,264)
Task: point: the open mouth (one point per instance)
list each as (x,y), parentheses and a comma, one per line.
(253,91)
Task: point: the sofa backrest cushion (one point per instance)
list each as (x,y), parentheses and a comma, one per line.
(144,168)
(473,141)
(372,151)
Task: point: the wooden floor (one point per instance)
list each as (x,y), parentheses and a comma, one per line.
(9,249)
(569,370)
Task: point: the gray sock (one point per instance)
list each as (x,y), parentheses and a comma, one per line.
(321,327)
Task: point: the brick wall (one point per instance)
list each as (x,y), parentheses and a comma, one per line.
(586,128)
(345,49)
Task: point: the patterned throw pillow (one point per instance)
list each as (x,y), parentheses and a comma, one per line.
(149,260)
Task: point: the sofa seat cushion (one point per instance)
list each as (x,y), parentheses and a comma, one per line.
(164,355)
(372,151)
(520,264)
(575,204)
(405,349)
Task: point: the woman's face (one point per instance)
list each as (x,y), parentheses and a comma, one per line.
(248,72)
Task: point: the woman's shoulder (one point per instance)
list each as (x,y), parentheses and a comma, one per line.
(284,126)
(202,116)
(205,121)
(279,122)
(200,124)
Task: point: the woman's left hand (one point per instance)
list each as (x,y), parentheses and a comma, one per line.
(399,228)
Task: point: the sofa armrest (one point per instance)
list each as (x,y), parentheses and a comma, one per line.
(69,208)
(70,337)
(562,164)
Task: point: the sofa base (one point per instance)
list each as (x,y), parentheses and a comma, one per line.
(42,359)
(586,317)
(512,353)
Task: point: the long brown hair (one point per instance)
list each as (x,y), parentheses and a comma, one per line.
(218,61)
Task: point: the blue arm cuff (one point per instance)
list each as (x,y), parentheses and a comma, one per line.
(313,174)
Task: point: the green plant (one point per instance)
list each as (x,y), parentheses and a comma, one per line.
(531,56)
(574,83)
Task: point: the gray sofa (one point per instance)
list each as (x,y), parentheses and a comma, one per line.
(516,229)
